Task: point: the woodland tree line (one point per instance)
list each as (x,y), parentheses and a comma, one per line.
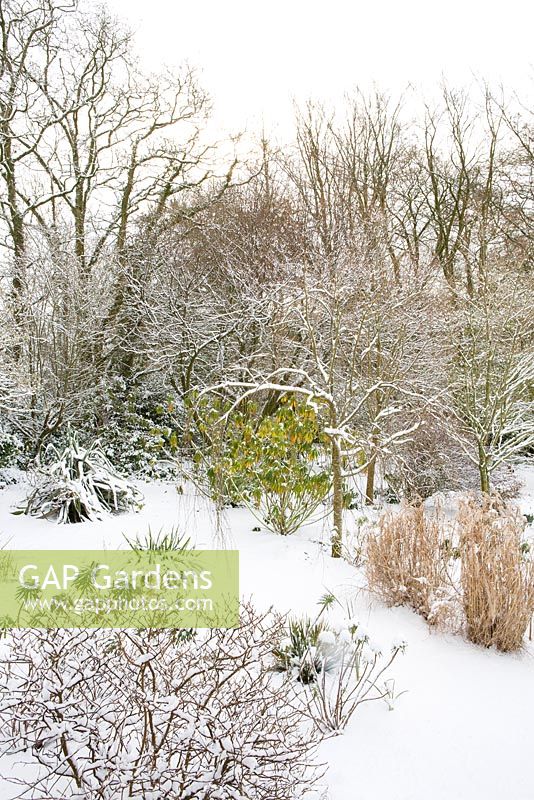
(377,269)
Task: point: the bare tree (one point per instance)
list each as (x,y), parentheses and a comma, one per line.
(493,375)
(326,340)
(26,32)
(463,195)
(91,149)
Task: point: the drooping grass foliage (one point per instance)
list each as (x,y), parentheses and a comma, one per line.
(80,484)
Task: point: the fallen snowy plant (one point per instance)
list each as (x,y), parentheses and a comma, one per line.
(80,484)
(109,715)
(361,675)
(339,669)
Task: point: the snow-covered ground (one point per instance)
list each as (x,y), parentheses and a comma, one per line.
(464,729)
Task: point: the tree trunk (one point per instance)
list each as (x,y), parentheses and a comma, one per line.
(483,469)
(337,489)
(16,227)
(371,470)
(370,481)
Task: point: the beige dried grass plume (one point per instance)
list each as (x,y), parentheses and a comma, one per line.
(407,560)
(497,573)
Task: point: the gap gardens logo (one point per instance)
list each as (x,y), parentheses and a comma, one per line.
(119,589)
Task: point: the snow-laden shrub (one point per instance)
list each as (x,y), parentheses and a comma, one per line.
(11,447)
(146,450)
(110,715)
(361,675)
(9,476)
(80,484)
(139,429)
(336,668)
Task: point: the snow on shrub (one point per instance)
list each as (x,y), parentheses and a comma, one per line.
(359,677)
(10,476)
(305,652)
(80,484)
(156,714)
(11,447)
(139,429)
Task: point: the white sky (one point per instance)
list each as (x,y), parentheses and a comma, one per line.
(255,57)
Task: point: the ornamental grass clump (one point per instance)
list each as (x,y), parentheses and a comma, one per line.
(407,560)
(80,484)
(497,573)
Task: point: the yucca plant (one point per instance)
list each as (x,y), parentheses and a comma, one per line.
(79,484)
(163,541)
(308,650)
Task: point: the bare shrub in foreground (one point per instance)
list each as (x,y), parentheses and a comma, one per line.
(497,575)
(109,715)
(406,560)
